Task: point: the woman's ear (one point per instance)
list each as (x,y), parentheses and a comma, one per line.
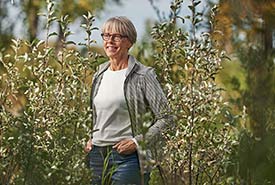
(129,44)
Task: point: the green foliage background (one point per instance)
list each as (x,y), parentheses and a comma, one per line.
(224,132)
(42,141)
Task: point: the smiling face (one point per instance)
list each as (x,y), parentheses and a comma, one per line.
(119,34)
(114,47)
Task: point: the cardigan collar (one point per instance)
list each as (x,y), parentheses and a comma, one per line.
(131,64)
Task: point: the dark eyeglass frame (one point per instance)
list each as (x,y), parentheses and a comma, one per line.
(116,37)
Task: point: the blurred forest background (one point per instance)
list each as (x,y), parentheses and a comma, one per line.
(247,79)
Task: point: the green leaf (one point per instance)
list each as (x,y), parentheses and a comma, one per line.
(70,42)
(197,3)
(42,14)
(192,8)
(52,34)
(181,18)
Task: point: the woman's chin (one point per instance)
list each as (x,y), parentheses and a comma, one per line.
(111,55)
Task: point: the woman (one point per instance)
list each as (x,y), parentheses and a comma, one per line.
(124,94)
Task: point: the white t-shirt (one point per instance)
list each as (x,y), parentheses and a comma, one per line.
(113,120)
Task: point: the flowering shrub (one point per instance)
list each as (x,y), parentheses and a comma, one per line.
(199,147)
(45,114)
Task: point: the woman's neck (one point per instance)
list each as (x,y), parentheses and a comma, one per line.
(119,63)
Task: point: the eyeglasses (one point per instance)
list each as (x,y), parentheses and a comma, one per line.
(115,37)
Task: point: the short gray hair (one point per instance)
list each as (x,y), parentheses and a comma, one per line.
(122,25)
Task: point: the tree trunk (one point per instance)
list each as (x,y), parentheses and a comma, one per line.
(31,8)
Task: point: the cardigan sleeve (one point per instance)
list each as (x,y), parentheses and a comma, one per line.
(158,105)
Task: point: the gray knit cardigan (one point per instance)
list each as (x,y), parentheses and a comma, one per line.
(147,104)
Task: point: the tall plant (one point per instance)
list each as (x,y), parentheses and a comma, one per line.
(198,148)
(42,142)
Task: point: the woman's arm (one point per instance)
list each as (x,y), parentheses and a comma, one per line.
(158,104)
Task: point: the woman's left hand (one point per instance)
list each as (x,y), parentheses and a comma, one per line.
(125,146)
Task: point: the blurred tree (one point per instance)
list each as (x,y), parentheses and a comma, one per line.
(249,28)
(5,25)
(31,8)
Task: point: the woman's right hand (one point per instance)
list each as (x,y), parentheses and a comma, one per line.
(88,146)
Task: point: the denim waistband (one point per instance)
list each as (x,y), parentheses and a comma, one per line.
(107,149)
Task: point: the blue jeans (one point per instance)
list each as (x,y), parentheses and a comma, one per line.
(110,167)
